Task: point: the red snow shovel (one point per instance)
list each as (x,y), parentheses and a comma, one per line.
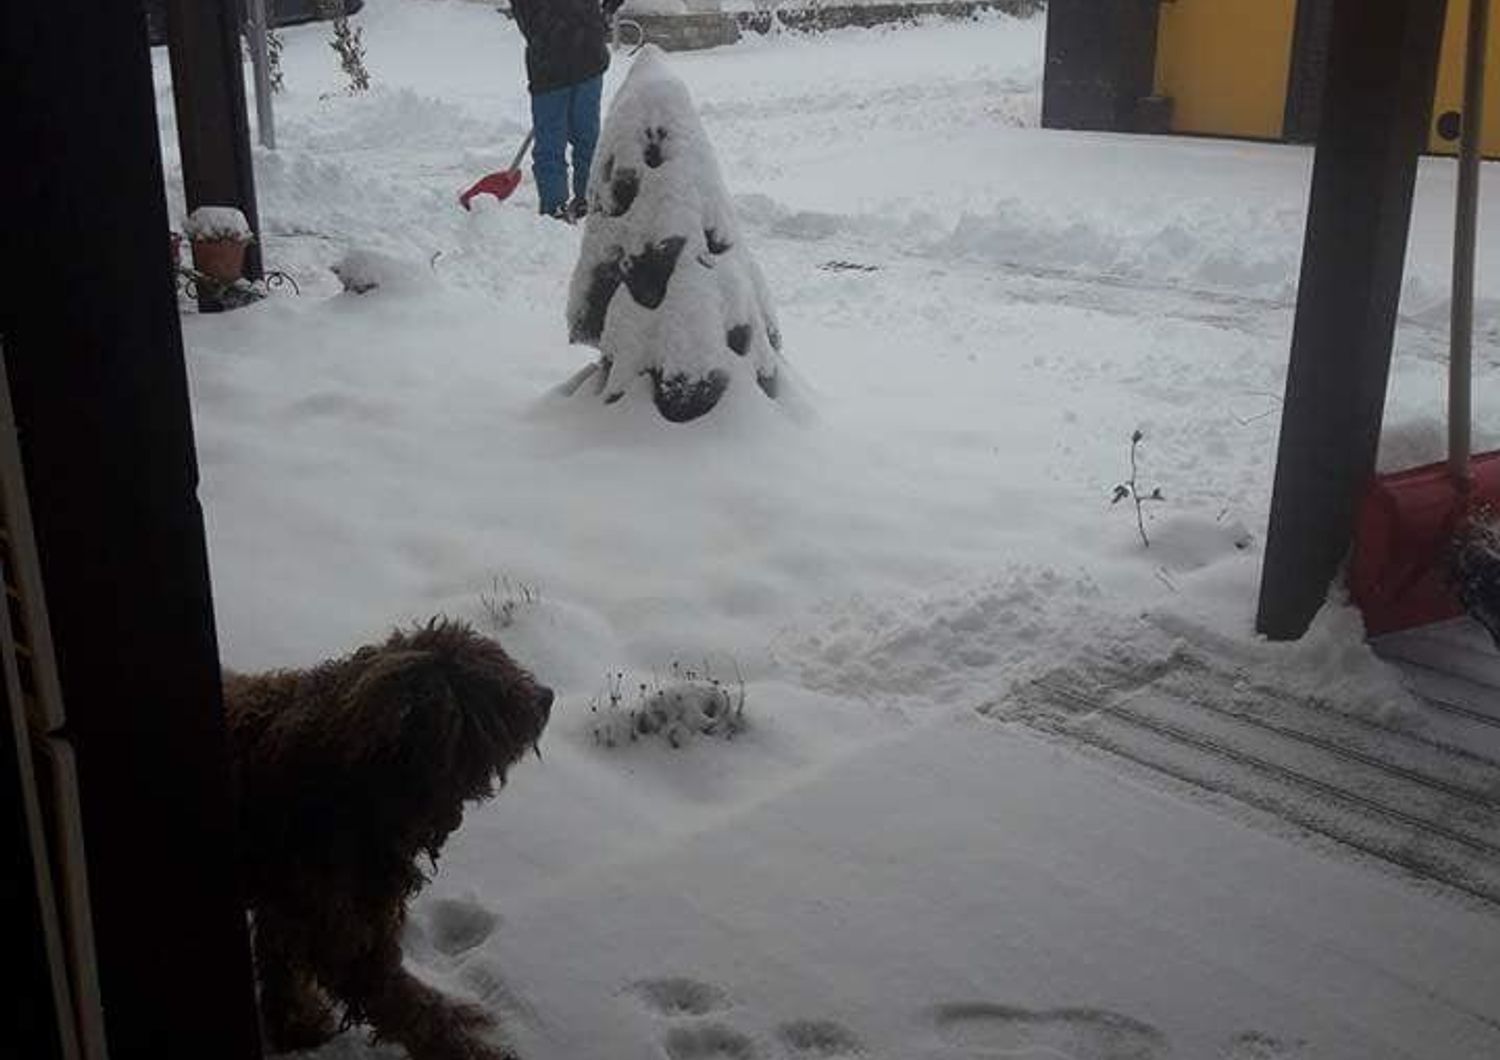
(1411,522)
(502,183)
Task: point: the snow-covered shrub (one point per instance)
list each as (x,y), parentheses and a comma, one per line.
(348,44)
(665,287)
(361,270)
(690,704)
(212,223)
(274,45)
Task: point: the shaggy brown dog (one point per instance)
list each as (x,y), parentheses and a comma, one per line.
(345,775)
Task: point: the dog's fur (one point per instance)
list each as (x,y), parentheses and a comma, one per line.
(346,774)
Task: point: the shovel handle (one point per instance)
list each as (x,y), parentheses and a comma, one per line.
(525,146)
(1465,229)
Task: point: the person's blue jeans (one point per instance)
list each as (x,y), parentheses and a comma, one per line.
(562,118)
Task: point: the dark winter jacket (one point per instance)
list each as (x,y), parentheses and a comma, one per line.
(566,40)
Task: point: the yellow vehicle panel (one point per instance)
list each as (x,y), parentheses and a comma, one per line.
(1225,63)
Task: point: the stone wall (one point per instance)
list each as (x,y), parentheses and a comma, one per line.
(817,17)
(679,33)
(684,32)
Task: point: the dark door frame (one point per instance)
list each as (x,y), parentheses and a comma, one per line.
(93,348)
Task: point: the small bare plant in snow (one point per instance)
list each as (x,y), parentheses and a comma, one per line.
(690,703)
(1130,489)
(504,598)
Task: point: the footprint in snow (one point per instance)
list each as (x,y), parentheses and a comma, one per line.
(1253,1045)
(819,1038)
(1049,1034)
(687,1002)
(457,925)
(485,980)
(709,1041)
(677,996)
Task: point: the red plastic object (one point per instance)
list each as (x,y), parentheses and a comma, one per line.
(1399,573)
(500,184)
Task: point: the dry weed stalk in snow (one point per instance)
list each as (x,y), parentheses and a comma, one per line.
(1130,489)
(505,597)
(691,703)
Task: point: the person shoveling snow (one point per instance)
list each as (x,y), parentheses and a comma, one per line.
(566,56)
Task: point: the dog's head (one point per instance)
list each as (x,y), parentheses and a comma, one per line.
(437,715)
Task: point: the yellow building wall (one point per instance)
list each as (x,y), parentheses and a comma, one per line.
(1225,63)
(1450,86)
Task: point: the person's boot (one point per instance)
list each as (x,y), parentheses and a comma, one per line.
(579,209)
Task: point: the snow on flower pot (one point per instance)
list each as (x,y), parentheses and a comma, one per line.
(219,235)
(665,287)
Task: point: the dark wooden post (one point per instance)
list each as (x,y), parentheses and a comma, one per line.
(88,319)
(213,127)
(1100,66)
(1309,71)
(1382,70)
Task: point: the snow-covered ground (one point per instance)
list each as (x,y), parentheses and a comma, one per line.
(873,866)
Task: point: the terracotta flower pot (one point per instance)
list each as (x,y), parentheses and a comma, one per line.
(221,259)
